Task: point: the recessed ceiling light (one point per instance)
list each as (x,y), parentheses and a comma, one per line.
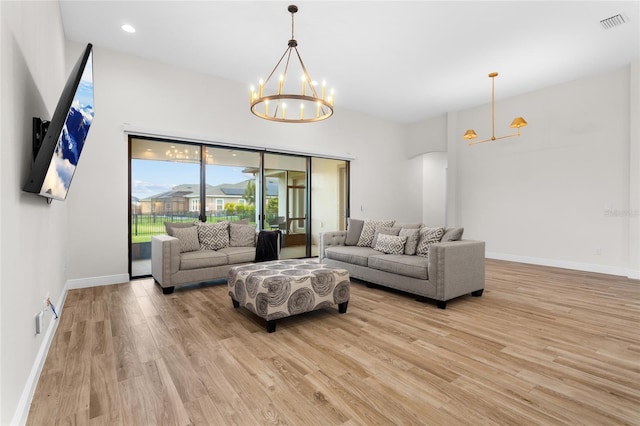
(128,28)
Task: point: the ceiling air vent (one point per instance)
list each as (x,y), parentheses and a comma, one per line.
(613,21)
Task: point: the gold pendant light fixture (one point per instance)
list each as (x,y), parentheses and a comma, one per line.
(515,124)
(275,104)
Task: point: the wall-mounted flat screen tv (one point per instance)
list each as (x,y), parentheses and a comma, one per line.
(57,144)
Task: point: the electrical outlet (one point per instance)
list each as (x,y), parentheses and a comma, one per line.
(598,251)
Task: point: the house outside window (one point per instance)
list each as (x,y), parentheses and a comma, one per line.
(219,204)
(195,205)
(167,207)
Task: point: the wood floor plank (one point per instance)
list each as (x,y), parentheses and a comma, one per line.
(541,346)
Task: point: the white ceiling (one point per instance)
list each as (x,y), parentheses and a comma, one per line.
(400,60)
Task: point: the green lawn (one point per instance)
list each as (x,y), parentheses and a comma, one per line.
(143,227)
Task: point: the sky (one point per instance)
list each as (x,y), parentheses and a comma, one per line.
(154,177)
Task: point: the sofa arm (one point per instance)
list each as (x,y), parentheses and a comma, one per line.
(328,239)
(457,268)
(165,258)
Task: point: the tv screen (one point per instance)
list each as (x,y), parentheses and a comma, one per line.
(57,157)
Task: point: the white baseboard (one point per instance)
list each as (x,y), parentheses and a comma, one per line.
(578,266)
(98,281)
(22,410)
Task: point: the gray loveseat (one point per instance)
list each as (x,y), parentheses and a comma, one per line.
(448,270)
(196,252)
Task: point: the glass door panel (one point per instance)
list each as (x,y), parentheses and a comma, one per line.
(164,185)
(285,201)
(329,198)
(232,185)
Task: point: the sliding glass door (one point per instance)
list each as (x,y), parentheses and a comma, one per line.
(174,181)
(286,204)
(164,176)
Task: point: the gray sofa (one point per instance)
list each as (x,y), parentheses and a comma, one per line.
(452,268)
(174,262)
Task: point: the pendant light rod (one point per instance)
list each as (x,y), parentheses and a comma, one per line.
(515,124)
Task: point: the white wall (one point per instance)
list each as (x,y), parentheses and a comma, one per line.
(563,193)
(434,186)
(136,93)
(34,234)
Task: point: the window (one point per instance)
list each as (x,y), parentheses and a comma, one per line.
(219,204)
(242,202)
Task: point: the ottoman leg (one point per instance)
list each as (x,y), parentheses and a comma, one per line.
(236,304)
(271,326)
(342,307)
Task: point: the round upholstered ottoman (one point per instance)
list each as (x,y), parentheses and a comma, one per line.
(281,288)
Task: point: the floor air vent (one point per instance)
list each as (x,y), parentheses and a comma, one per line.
(613,21)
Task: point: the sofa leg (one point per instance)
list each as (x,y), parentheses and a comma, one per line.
(342,307)
(271,326)
(441,304)
(236,304)
(167,290)
(421,299)
(477,293)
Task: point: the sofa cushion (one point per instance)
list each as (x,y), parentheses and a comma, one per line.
(401,264)
(242,235)
(213,236)
(354,229)
(350,254)
(428,236)
(452,234)
(369,231)
(390,244)
(238,255)
(386,230)
(187,239)
(170,226)
(413,237)
(202,259)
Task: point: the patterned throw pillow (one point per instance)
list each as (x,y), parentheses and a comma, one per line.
(369,231)
(413,237)
(390,244)
(384,230)
(213,236)
(242,235)
(428,236)
(187,238)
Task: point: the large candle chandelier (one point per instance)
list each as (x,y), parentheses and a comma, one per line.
(276,104)
(515,124)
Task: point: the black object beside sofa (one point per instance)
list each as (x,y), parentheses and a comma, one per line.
(433,263)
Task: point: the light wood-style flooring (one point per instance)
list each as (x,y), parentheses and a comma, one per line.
(542,346)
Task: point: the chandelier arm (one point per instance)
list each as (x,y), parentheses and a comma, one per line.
(306,74)
(277,65)
(308,79)
(286,65)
